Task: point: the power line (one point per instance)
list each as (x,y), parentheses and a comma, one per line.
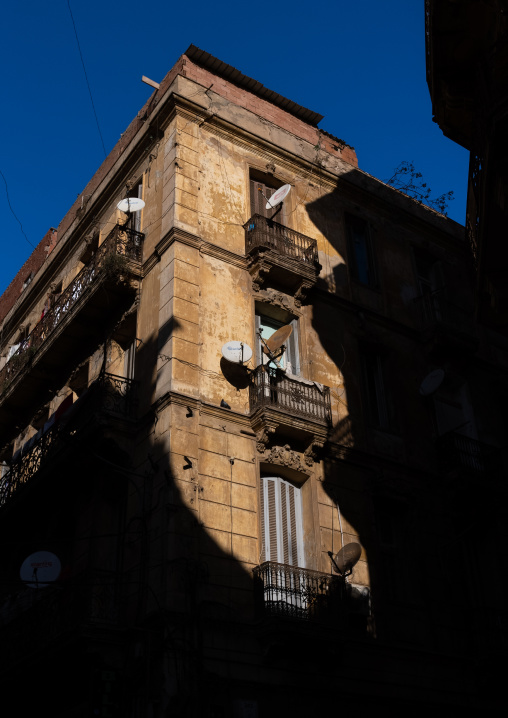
(86,78)
(13,212)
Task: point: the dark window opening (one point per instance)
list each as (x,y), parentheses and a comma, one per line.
(379,405)
(361,253)
(92,245)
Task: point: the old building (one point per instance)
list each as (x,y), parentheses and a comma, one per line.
(467,65)
(199,507)
(467,73)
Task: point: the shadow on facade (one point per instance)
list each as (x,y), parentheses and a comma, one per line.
(153,616)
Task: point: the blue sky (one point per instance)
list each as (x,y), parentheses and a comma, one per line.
(361,65)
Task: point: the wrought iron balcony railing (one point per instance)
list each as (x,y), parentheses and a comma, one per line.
(265,233)
(293,592)
(433,309)
(305,399)
(471,456)
(116,396)
(112,258)
(31,618)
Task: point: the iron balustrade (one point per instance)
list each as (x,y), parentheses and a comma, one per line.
(120,246)
(457,451)
(265,233)
(116,395)
(301,593)
(433,308)
(273,388)
(32,618)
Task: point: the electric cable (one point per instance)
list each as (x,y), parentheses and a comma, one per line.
(86,78)
(13,212)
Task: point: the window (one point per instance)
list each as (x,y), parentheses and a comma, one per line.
(454,411)
(136,191)
(429,273)
(378,404)
(268,326)
(262,186)
(27,281)
(281,521)
(360,251)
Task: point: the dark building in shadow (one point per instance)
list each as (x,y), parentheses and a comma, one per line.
(250,448)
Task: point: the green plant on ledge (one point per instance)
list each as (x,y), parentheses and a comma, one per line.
(115,266)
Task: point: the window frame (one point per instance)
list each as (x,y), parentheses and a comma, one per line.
(285,493)
(292,345)
(269,184)
(372,276)
(379,405)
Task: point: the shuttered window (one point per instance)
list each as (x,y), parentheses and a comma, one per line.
(281,521)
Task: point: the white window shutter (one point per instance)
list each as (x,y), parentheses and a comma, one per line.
(281,522)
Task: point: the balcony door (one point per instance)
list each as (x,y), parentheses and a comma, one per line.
(289,362)
(281,521)
(261,189)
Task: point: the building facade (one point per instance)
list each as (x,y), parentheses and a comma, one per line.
(200,508)
(467,61)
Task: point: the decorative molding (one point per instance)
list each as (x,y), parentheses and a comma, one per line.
(284,456)
(279,299)
(201,407)
(263,437)
(225,255)
(313,452)
(176,234)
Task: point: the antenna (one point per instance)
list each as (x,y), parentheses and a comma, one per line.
(432,382)
(275,343)
(130,204)
(237,352)
(278,196)
(345,559)
(277,339)
(40,569)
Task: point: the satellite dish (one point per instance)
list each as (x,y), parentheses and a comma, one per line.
(278,196)
(277,339)
(237,352)
(130,204)
(432,382)
(40,569)
(347,557)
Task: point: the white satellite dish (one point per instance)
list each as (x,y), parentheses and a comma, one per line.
(40,569)
(237,352)
(432,382)
(130,204)
(278,196)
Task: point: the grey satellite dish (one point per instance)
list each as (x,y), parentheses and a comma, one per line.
(347,557)
(278,196)
(237,352)
(277,339)
(432,382)
(130,204)
(40,569)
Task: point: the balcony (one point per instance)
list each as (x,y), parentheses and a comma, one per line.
(281,256)
(444,323)
(75,320)
(35,619)
(461,454)
(110,394)
(293,407)
(290,592)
